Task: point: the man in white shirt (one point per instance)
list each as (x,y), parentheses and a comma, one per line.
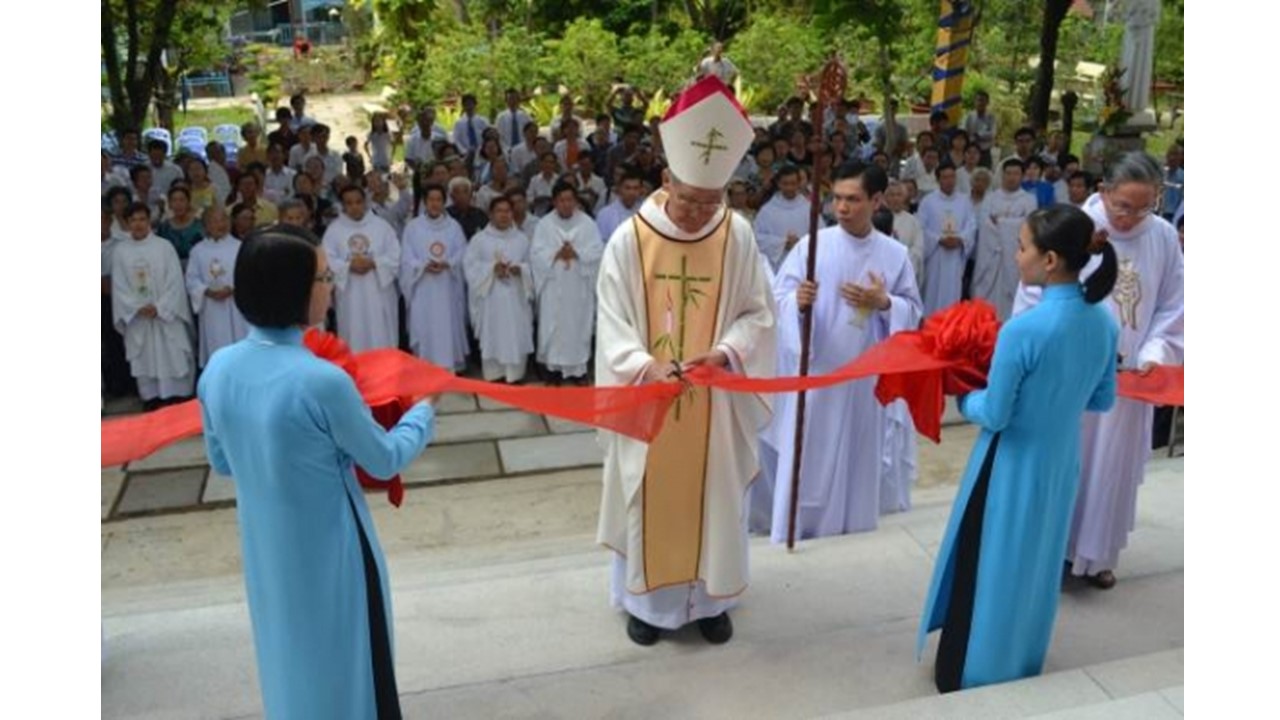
(524,154)
(511,122)
(469,130)
(305,148)
(980,125)
(716,64)
(419,148)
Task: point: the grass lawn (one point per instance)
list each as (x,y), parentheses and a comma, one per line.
(211,118)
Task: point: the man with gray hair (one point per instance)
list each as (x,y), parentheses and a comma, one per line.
(471,218)
(1148,305)
(683,286)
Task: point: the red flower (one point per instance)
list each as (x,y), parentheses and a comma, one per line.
(964,333)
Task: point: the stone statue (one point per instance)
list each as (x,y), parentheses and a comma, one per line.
(1140,18)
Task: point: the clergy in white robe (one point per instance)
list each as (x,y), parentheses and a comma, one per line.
(784,218)
(150,309)
(364,255)
(681,284)
(500,295)
(949,230)
(434,284)
(211,280)
(1000,219)
(865,291)
(628,195)
(565,258)
(1148,304)
(906,227)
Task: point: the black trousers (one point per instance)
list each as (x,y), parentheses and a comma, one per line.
(953,646)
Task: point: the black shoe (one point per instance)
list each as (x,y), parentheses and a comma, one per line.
(716,630)
(641,632)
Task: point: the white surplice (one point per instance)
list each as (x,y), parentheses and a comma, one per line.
(775,219)
(501,308)
(566,292)
(1148,304)
(995,254)
(367,306)
(147,272)
(942,214)
(436,303)
(212,266)
(842,472)
(745,332)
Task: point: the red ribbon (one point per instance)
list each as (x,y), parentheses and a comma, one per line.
(950,355)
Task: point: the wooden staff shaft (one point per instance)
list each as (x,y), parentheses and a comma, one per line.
(806,331)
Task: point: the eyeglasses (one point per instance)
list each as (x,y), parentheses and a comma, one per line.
(1125,211)
(325,277)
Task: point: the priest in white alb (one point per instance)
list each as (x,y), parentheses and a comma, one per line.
(682,286)
(565,258)
(434,284)
(864,291)
(995,257)
(949,230)
(364,254)
(149,308)
(211,280)
(500,294)
(784,219)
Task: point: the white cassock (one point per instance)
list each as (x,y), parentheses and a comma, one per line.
(436,303)
(995,254)
(778,217)
(212,266)
(147,272)
(367,305)
(613,215)
(944,269)
(566,295)
(842,483)
(1148,305)
(907,230)
(529,225)
(501,308)
(744,330)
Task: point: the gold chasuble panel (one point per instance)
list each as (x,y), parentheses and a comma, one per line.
(682,281)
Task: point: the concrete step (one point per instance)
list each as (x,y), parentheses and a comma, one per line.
(524,630)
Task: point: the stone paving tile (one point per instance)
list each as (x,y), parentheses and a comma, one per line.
(112,480)
(182,454)
(218,488)
(550,453)
(454,462)
(162,490)
(466,427)
(456,403)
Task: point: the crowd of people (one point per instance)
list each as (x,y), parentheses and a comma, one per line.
(499,242)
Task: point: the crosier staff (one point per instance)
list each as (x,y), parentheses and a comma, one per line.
(831,88)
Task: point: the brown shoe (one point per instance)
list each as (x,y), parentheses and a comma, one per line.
(1104,580)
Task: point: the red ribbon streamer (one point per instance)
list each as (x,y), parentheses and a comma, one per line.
(950,355)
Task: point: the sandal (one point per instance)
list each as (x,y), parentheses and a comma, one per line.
(1104,580)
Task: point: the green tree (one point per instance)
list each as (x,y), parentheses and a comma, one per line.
(148,44)
(772,54)
(656,61)
(587,60)
(1169,49)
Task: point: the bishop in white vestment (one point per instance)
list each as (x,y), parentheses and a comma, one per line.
(681,285)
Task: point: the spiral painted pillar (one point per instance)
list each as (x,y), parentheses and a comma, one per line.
(955,32)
